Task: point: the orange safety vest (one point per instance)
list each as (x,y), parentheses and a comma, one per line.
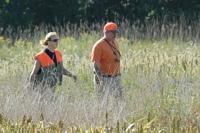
(50,75)
(45,60)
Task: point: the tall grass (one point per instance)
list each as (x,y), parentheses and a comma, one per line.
(160,78)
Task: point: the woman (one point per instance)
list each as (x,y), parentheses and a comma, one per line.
(48,68)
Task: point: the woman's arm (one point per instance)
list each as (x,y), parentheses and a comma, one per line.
(69,74)
(36,68)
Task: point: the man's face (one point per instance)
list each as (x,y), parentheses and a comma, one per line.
(111,35)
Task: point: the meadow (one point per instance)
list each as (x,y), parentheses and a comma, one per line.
(160,69)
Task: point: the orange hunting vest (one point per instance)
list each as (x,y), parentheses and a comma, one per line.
(50,75)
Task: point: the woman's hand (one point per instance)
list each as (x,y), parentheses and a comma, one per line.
(74,77)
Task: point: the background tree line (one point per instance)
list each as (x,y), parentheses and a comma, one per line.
(31,13)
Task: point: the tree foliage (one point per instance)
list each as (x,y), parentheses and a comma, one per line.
(30,13)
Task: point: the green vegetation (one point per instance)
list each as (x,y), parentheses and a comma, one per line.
(29,14)
(160,78)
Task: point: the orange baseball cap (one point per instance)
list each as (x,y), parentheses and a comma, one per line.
(110,26)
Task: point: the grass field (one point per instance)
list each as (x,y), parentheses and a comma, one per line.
(160,77)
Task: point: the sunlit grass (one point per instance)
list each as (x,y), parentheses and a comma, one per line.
(160,81)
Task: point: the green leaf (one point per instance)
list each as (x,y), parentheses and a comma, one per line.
(7,1)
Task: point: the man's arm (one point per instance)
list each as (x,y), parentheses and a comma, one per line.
(97,70)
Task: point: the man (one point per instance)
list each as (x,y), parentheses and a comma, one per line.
(106,60)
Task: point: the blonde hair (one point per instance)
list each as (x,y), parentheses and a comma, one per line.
(47,38)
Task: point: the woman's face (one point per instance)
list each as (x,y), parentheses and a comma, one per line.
(53,42)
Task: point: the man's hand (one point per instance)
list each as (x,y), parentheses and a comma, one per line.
(29,87)
(102,83)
